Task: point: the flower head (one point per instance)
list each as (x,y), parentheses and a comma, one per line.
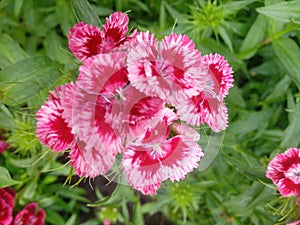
(208,106)
(52,129)
(30,215)
(7,197)
(158,158)
(284,171)
(169,69)
(219,73)
(86,40)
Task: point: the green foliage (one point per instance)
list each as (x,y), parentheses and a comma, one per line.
(260,39)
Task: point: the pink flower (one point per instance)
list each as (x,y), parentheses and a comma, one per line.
(52,129)
(204,108)
(220,73)
(284,171)
(208,106)
(171,69)
(157,158)
(86,40)
(7,197)
(3,145)
(101,79)
(30,215)
(132,112)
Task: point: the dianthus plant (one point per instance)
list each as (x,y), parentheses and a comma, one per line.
(138,97)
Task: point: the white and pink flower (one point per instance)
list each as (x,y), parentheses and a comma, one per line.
(284,171)
(86,40)
(168,69)
(130,98)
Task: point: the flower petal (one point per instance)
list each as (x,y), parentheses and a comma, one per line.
(85,40)
(52,130)
(115,29)
(204,109)
(91,161)
(145,172)
(221,74)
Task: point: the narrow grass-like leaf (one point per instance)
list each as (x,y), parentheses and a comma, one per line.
(64,15)
(225,36)
(280,90)
(234,6)
(6,118)
(5,178)
(175,14)
(137,213)
(284,11)
(292,132)
(84,12)
(72,219)
(18,6)
(254,38)
(288,53)
(162,15)
(24,79)
(211,151)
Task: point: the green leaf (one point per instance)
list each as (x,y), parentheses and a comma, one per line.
(162,15)
(137,213)
(10,49)
(288,53)
(72,219)
(181,18)
(283,11)
(18,6)
(91,222)
(54,218)
(292,132)
(84,12)
(211,151)
(280,90)
(234,6)
(53,47)
(64,15)
(5,178)
(254,38)
(6,118)
(225,36)
(24,79)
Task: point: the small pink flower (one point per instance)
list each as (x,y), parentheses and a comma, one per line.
(3,145)
(156,158)
(204,108)
(132,112)
(7,197)
(100,81)
(220,73)
(30,215)
(86,40)
(106,222)
(284,171)
(171,70)
(208,106)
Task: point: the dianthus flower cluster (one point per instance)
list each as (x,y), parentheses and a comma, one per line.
(30,215)
(138,97)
